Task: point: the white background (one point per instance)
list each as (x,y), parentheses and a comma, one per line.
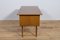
(49,8)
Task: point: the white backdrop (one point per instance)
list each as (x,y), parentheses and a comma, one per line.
(49,8)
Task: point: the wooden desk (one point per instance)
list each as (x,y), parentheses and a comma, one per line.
(29,16)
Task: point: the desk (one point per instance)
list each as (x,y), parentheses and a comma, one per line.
(29,16)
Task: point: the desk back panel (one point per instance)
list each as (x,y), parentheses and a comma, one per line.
(29,20)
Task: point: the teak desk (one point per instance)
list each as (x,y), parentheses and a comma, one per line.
(29,16)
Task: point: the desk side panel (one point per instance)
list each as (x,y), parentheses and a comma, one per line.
(29,20)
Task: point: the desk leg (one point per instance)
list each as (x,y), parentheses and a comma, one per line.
(22,31)
(36,31)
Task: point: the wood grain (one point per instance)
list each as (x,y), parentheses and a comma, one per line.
(29,20)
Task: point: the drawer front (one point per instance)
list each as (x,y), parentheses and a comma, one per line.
(29,20)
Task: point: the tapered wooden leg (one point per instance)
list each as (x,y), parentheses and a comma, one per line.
(22,31)
(36,31)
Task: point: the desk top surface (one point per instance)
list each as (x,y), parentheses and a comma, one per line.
(29,10)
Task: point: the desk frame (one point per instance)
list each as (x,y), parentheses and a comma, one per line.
(22,30)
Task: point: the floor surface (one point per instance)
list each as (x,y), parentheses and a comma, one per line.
(49,30)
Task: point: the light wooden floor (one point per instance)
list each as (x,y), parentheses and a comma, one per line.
(49,30)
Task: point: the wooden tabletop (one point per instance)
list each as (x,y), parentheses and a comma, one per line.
(29,10)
